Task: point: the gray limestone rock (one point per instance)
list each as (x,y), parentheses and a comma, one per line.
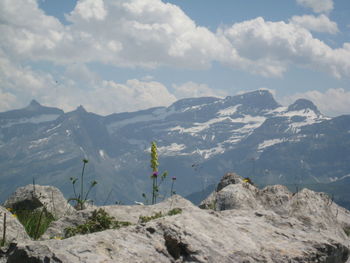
(119,212)
(32,197)
(196,235)
(14,230)
(246,225)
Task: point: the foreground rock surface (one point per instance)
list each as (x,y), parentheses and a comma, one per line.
(245,224)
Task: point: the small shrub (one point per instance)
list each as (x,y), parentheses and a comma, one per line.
(99,220)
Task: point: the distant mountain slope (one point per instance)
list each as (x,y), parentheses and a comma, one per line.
(198,140)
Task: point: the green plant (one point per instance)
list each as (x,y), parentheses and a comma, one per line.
(99,220)
(155,183)
(35,222)
(81,198)
(145,219)
(174,211)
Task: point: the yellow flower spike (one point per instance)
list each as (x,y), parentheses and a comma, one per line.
(14,215)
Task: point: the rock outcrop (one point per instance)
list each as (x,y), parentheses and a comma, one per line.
(241,224)
(33,197)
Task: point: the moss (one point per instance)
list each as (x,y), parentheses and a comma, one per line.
(99,220)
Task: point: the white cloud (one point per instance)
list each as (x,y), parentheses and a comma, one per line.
(131,96)
(332,102)
(319,23)
(191,89)
(318,6)
(143,33)
(90,9)
(152,34)
(268,48)
(147,33)
(77,86)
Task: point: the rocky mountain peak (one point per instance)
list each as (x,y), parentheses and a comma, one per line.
(81,109)
(34,105)
(303,104)
(259,99)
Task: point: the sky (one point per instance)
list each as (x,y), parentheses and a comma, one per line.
(126,55)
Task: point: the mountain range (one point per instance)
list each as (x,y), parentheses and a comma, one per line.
(199,140)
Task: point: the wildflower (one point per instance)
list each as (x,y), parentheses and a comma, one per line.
(14,215)
(173,178)
(155,175)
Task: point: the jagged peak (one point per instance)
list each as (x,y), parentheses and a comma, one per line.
(81,108)
(33,105)
(303,104)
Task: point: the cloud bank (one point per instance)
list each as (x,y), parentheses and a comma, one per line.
(147,34)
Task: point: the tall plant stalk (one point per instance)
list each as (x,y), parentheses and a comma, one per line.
(4,232)
(154,166)
(85,161)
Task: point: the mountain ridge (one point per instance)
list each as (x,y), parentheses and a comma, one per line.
(198,140)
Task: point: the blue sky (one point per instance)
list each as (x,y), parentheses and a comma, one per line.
(115,56)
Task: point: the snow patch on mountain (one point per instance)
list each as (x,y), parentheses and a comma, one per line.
(309,117)
(269,143)
(40,142)
(229,111)
(34,120)
(156,115)
(196,107)
(54,128)
(277,111)
(336,178)
(172,149)
(199,126)
(250,123)
(208,153)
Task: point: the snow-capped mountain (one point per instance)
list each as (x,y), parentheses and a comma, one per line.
(198,140)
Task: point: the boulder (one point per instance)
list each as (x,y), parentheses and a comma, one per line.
(15,231)
(33,197)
